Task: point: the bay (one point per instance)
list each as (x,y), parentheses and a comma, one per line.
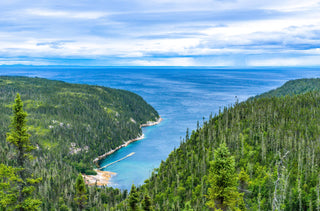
(182,96)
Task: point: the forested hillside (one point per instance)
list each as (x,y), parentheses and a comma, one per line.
(276,149)
(261,154)
(95,119)
(294,87)
(70,125)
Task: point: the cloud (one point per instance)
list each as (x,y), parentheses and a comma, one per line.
(290,61)
(54,44)
(160,32)
(164,62)
(21,61)
(202,16)
(66,14)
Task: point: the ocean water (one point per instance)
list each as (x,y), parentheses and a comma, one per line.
(182,96)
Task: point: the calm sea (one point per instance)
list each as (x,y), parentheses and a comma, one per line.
(182,96)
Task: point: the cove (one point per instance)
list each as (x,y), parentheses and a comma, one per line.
(182,96)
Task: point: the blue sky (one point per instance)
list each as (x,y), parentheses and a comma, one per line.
(235,33)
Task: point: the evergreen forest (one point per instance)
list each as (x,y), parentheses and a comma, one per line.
(70,125)
(274,141)
(260,154)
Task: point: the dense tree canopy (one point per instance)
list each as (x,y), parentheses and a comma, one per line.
(20,179)
(276,149)
(81,197)
(222,192)
(272,150)
(70,125)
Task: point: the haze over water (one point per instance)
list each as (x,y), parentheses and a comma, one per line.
(182,96)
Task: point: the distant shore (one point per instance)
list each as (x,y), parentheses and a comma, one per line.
(148,124)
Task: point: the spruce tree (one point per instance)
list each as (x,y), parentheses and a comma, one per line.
(19,138)
(146,203)
(223,193)
(81,197)
(8,188)
(133,198)
(62,205)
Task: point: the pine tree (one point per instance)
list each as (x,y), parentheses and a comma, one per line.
(146,203)
(62,205)
(8,189)
(19,138)
(81,198)
(223,193)
(133,198)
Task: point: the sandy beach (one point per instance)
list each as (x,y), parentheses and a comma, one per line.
(101,179)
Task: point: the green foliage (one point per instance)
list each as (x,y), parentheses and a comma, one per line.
(8,187)
(81,197)
(243,180)
(29,204)
(62,205)
(25,182)
(94,119)
(223,193)
(90,172)
(18,135)
(146,203)
(133,198)
(294,87)
(257,132)
(87,120)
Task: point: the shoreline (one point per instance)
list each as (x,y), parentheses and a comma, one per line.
(101,179)
(148,124)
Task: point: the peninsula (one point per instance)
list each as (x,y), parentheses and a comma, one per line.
(73,123)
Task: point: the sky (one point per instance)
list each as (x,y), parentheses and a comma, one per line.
(227,33)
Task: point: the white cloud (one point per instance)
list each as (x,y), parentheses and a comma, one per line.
(291,61)
(66,14)
(163,32)
(23,62)
(264,26)
(291,5)
(165,62)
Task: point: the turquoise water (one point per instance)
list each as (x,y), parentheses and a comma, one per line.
(182,96)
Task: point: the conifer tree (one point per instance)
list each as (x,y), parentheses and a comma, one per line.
(133,198)
(62,205)
(81,198)
(8,189)
(19,138)
(146,203)
(223,193)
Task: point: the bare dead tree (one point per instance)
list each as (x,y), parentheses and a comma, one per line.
(276,202)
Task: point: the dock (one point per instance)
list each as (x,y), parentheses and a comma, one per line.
(109,164)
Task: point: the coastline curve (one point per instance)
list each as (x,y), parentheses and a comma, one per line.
(148,124)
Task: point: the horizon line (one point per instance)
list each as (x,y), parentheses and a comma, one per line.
(118,66)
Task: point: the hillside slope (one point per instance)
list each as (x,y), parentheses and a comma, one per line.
(275,140)
(294,87)
(95,119)
(71,125)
